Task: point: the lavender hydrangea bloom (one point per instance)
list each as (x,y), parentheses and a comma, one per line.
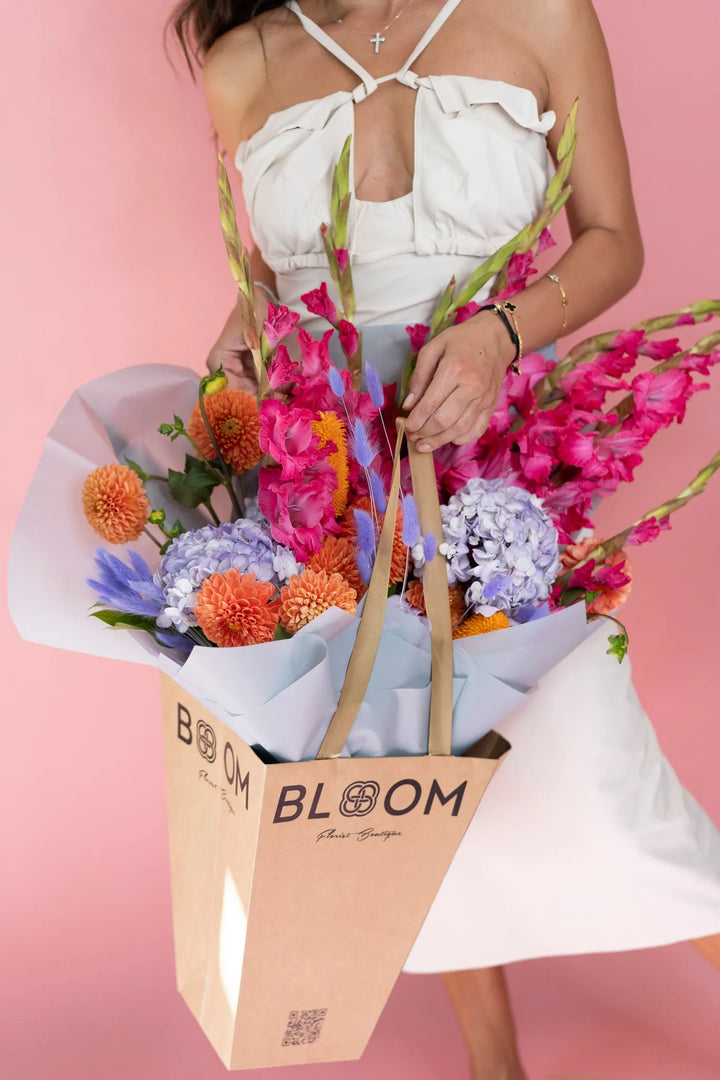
(196,555)
(499,539)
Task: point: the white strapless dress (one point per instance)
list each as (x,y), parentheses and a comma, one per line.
(586,841)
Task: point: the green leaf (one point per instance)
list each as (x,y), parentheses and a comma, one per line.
(590,596)
(618,646)
(165,429)
(571,596)
(194,485)
(281,634)
(121,618)
(138,468)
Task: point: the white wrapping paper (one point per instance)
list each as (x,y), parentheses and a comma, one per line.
(280,695)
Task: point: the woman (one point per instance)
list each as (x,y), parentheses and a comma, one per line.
(586,841)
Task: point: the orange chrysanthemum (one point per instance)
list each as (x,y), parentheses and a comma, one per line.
(609,599)
(415,596)
(330,428)
(115,503)
(337,556)
(235,609)
(481,624)
(233,418)
(399,562)
(306,596)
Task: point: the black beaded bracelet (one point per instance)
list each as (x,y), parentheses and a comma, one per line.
(511,331)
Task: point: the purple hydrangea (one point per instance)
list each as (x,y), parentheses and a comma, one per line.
(499,539)
(196,555)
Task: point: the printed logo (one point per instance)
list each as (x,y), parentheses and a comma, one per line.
(206,743)
(359,798)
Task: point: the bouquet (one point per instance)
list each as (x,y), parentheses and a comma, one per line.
(247,526)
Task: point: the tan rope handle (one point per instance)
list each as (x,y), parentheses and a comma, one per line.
(364,651)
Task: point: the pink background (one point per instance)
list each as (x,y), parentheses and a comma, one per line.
(112,256)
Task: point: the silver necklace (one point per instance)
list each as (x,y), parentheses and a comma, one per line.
(377,40)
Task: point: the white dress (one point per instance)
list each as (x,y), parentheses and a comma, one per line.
(586,841)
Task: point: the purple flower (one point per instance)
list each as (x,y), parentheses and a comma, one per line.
(335,379)
(376,390)
(411,525)
(362,448)
(378,492)
(429,548)
(365,531)
(364,565)
(196,555)
(501,542)
(130,589)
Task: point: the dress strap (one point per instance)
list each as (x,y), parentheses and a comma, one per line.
(440,19)
(368,82)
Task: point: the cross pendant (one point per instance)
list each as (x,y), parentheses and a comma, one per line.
(377,41)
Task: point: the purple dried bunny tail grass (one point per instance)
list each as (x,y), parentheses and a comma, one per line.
(411,524)
(429,547)
(363,449)
(378,492)
(376,390)
(365,566)
(335,379)
(365,532)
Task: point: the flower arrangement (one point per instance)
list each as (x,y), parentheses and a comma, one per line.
(318,443)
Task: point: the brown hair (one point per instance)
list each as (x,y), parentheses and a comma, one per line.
(198,24)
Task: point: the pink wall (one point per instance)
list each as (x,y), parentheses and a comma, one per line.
(112,256)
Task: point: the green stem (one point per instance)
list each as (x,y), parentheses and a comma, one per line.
(212,512)
(153,538)
(228,477)
(604,550)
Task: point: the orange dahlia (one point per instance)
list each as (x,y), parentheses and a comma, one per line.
(235,609)
(337,556)
(399,562)
(330,428)
(481,624)
(415,596)
(609,599)
(233,419)
(115,503)
(306,596)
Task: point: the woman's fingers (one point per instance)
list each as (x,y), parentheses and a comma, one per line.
(467,428)
(448,412)
(442,384)
(425,366)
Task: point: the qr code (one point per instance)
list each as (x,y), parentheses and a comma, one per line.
(304,1026)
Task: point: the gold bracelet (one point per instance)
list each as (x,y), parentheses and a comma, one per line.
(555,278)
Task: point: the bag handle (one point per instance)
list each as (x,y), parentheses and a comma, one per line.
(437,604)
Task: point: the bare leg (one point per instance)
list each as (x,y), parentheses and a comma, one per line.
(481,1002)
(709,947)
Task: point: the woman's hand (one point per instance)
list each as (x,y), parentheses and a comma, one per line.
(231,352)
(233,356)
(456,383)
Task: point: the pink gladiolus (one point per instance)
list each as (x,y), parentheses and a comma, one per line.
(660,350)
(417,334)
(701,362)
(629,340)
(282,369)
(454,466)
(661,398)
(300,511)
(348,337)
(647,531)
(315,355)
(279,323)
(341,254)
(545,241)
(286,435)
(464,313)
(318,302)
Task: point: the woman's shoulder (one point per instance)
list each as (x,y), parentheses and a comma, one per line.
(235,71)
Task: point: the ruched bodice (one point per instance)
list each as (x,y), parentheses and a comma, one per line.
(481,169)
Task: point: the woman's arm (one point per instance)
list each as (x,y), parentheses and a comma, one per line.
(458,376)
(228,72)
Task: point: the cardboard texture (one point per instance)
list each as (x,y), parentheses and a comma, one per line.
(299,888)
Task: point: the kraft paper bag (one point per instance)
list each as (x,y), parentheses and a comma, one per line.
(298,888)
